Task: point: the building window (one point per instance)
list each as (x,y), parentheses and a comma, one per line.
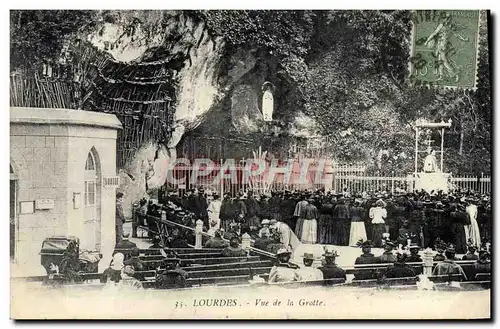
(90,181)
(89,193)
(90,164)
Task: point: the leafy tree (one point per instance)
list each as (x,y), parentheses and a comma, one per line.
(37,35)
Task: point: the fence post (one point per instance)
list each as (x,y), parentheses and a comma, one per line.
(198,234)
(392,183)
(245,241)
(481,184)
(428,259)
(221,180)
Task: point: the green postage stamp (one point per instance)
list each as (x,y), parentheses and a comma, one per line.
(445,48)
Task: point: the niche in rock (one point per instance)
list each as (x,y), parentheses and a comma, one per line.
(245,112)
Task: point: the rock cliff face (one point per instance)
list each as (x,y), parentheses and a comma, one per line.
(207,79)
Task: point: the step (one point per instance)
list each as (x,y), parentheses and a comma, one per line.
(229,272)
(183,250)
(182,256)
(240,279)
(218,260)
(152,264)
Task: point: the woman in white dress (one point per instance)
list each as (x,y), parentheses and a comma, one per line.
(473,228)
(358,231)
(378,215)
(309,232)
(214,213)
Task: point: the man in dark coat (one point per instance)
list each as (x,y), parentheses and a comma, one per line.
(459,218)
(120,218)
(125,246)
(264,206)
(253,213)
(287,209)
(201,207)
(240,209)
(274,206)
(341,218)
(366,258)
(331,270)
(226,212)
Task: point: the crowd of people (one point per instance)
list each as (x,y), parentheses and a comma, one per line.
(402,224)
(336,219)
(404,262)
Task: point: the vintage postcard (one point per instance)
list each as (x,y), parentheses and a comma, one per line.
(250,164)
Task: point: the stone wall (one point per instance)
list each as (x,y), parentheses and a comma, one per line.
(48,156)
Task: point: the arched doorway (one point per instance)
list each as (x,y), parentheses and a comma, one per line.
(91,239)
(13,212)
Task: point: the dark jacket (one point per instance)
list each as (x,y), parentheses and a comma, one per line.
(120,217)
(399,270)
(366,274)
(216,243)
(262,243)
(234,252)
(469,256)
(387,257)
(178,242)
(170,279)
(332,271)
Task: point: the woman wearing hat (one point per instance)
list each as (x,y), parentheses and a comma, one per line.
(330,269)
(214,213)
(366,258)
(283,271)
(473,228)
(378,214)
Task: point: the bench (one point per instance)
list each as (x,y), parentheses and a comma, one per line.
(229,272)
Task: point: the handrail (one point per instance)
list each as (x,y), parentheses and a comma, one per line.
(166,221)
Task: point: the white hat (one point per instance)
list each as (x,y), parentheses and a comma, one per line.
(282,251)
(117,262)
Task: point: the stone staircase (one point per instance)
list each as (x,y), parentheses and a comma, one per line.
(208,266)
